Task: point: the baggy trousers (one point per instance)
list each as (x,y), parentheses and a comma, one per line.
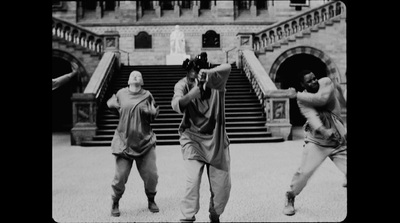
(220,187)
(312,158)
(147,168)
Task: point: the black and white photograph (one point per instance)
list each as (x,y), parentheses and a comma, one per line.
(199,111)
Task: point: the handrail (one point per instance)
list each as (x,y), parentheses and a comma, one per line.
(101,75)
(226,53)
(126,53)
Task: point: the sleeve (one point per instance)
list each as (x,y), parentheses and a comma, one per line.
(311,115)
(325,91)
(179,92)
(218,76)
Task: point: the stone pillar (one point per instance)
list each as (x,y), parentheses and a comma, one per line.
(84,109)
(245,41)
(111,43)
(278,120)
(98,10)
(177,9)
(253,9)
(195,9)
(116,10)
(225,11)
(157,8)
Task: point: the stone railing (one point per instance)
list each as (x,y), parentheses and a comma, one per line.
(86,104)
(286,29)
(84,37)
(274,101)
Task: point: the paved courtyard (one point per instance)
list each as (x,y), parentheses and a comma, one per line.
(261,174)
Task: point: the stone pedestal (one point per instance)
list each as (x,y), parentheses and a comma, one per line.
(176,59)
(283,130)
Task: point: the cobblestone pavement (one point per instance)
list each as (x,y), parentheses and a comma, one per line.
(261,174)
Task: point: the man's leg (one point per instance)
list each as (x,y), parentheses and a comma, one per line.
(147,168)
(220,187)
(122,170)
(190,203)
(312,157)
(339,158)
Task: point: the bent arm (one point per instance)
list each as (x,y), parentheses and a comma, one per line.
(59,81)
(218,76)
(325,91)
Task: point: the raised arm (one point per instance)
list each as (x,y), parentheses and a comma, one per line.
(217,76)
(325,91)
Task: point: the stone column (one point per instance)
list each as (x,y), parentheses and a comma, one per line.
(253,8)
(98,10)
(157,8)
(196,8)
(177,9)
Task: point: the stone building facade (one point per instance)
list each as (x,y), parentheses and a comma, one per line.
(195,18)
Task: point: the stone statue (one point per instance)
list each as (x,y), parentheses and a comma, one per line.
(177,40)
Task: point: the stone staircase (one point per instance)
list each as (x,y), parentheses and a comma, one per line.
(245,118)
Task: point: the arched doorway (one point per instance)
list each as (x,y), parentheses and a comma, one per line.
(61,97)
(286,75)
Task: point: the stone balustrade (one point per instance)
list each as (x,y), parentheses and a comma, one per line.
(288,28)
(274,101)
(84,37)
(85,105)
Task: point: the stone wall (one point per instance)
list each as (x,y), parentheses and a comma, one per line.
(161,46)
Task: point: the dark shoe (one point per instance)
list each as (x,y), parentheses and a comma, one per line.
(214,218)
(153,207)
(115,209)
(289,204)
(188,219)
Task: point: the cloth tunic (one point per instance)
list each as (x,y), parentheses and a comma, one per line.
(202,130)
(326,104)
(134,135)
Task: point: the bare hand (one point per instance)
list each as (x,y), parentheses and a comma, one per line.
(195,92)
(292,93)
(74,68)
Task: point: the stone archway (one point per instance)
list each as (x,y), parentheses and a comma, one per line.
(332,71)
(285,68)
(83,76)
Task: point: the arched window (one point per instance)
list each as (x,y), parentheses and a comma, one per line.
(211,39)
(143,41)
